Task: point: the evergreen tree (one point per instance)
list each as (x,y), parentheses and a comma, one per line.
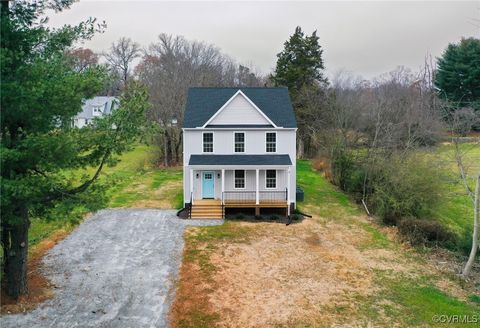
(300,68)
(300,63)
(458,74)
(41,92)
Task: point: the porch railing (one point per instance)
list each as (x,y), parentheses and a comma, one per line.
(249,197)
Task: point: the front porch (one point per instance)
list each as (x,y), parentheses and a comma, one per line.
(212,191)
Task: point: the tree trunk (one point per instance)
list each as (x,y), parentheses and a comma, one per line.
(300,148)
(165,149)
(476,210)
(17,254)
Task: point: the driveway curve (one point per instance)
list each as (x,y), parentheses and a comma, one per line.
(117,269)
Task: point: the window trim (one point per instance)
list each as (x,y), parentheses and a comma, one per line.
(244,142)
(276,142)
(213,143)
(244,180)
(276,179)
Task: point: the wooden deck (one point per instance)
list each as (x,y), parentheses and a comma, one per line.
(212,208)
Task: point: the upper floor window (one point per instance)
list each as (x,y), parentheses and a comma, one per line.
(271,142)
(239,179)
(271,179)
(208,142)
(239,142)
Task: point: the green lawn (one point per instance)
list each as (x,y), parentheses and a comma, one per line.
(456,208)
(137,183)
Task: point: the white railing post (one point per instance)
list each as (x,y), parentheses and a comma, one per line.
(288,189)
(257,192)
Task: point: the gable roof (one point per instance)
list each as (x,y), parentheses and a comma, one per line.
(203,103)
(107,105)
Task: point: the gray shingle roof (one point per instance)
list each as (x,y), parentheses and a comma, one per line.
(106,104)
(240,160)
(203,103)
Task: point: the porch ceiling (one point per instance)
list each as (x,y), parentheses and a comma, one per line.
(240,160)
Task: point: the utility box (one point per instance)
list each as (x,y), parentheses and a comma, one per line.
(300,195)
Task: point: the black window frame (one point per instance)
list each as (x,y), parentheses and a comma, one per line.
(271,145)
(270,179)
(207,145)
(238,145)
(240,179)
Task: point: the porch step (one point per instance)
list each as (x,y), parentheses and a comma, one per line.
(210,210)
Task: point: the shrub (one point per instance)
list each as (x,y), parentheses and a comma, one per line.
(240,216)
(296,217)
(274,217)
(424,231)
(405,188)
(347,173)
(258,217)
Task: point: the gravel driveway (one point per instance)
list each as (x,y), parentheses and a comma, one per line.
(117,269)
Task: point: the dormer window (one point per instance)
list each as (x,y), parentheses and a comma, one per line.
(239,142)
(97,110)
(271,142)
(208,142)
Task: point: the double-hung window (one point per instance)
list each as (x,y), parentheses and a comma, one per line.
(271,142)
(239,142)
(239,180)
(271,179)
(208,142)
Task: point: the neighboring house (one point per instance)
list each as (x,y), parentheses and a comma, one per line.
(239,147)
(95,107)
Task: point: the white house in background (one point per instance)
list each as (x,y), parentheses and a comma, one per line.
(239,151)
(95,107)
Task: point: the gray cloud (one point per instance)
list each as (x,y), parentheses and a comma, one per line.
(367,38)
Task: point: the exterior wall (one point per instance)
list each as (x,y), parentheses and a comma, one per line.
(223,143)
(250,182)
(239,110)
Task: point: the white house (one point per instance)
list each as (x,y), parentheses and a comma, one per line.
(239,147)
(95,107)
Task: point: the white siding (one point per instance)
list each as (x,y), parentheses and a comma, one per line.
(254,144)
(239,111)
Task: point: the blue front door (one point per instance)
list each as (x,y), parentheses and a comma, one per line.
(208,185)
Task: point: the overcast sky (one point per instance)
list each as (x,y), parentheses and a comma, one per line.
(366,38)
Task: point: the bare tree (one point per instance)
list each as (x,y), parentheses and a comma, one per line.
(82,58)
(121,55)
(461,120)
(172,65)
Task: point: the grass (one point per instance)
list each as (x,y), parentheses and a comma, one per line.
(136,180)
(413,302)
(456,209)
(407,300)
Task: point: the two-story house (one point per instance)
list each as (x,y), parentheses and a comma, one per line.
(94,107)
(239,147)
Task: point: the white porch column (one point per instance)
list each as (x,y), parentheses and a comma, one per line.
(223,184)
(191,185)
(289,192)
(257,193)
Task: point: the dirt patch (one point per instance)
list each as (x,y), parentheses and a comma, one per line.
(307,274)
(39,287)
(287,276)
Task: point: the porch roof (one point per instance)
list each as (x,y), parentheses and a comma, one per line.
(240,160)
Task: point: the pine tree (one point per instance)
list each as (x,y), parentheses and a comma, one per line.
(300,63)
(41,92)
(458,74)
